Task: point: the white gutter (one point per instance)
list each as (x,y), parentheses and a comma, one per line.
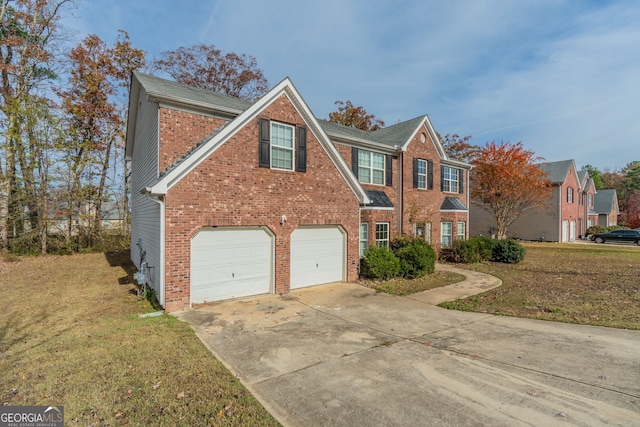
(158,198)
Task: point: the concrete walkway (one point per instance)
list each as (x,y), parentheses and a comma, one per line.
(475,283)
(345,355)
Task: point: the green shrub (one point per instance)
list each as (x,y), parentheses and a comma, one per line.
(401,241)
(464,251)
(470,251)
(596,229)
(508,251)
(379,263)
(416,256)
(484,246)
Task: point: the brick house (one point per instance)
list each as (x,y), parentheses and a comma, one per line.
(565,218)
(605,209)
(231,198)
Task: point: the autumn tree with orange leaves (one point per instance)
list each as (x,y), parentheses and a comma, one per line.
(206,67)
(355,117)
(506,182)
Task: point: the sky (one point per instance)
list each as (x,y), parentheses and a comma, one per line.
(560,76)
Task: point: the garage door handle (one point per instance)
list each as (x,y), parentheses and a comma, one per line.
(316,265)
(233,275)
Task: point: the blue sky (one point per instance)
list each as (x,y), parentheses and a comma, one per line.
(562,76)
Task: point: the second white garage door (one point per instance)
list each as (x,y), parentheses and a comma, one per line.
(317,256)
(230,263)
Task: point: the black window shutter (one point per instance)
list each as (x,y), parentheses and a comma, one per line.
(461,181)
(415,173)
(301,151)
(265,143)
(354,160)
(389,173)
(441,178)
(429,175)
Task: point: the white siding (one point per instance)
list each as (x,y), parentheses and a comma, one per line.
(145,213)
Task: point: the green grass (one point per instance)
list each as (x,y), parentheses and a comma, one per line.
(577,283)
(70,335)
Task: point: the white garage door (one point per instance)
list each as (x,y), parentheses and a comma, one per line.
(317,256)
(230,263)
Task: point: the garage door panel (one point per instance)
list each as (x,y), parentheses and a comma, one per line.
(230,263)
(317,256)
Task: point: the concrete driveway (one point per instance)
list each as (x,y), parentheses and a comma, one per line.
(344,355)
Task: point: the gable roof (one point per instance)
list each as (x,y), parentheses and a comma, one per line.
(559,171)
(177,94)
(199,153)
(605,201)
(394,138)
(170,91)
(400,133)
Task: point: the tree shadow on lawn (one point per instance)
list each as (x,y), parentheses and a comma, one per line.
(122,259)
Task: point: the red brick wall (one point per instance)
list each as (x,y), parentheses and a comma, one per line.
(229,189)
(571,211)
(180,131)
(423,205)
(372,216)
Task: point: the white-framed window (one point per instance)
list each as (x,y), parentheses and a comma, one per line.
(422,173)
(446,234)
(282,146)
(589,199)
(423,230)
(364,238)
(371,167)
(590,223)
(569,195)
(382,234)
(450,179)
(461,230)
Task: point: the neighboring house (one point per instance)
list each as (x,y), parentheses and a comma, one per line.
(605,210)
(61,222)
(112,217)
(588,199)
(232,198)
(564,218)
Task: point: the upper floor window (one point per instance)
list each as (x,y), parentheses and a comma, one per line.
(421,173)
(281,146)
(450,179)
(569,195)
(371,167)
(589,199)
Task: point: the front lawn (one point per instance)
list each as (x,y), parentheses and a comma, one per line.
(70,335)
(576,283)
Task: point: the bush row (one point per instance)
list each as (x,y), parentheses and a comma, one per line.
(408,257)
(598,229)
(481,248)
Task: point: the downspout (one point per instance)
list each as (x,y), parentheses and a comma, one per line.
(560,196)
(468,203)
(401,192)
(159,199)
